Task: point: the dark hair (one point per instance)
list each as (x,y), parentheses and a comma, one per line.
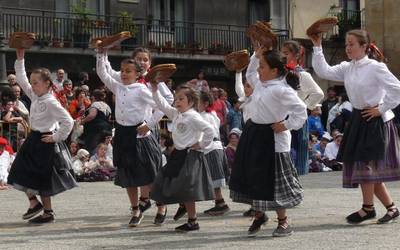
(296,49)
(275,61)
(78,91)
(141,50)
(45,75)
(82,75)
(8,95)
(331,89)
(344,97)
(190,93)
(99,95)
(206,97)
(234,100)
(138,68)
(372,50)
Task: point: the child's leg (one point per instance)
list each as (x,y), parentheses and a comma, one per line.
(33,201)
(46,201)
(367,211)
(218,194)
(134,199)
(191,209)
(144,200)
(383,195)
(283,228)
(281,214)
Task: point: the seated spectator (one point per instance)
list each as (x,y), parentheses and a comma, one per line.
(331,151)
(199,83)
(78,106)
(108,143)
(14,124)
(339,115)
(235,117)
(73,149)
(314,122)
(5,163)
(79,163)
(321,145)
(317,155)
(20,106)
(99,167)
(230,150)
(95,123)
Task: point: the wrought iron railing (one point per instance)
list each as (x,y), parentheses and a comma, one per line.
(348,20)
(70,29)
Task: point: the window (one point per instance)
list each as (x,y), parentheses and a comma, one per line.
(259,10)
(279,14)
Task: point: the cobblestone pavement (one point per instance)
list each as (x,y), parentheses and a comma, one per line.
(94,216)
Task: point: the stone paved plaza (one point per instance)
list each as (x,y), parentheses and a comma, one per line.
(94,216)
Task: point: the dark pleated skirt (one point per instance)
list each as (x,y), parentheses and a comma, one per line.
(185,178)
(370,151)
(137,159)
(300,145)
(288,192)
(253,173)
(42,168)
(215,162)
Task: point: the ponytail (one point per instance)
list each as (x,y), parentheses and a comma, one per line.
(293,80)
(374,52)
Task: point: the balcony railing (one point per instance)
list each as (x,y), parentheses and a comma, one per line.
(71,30)
(348,20)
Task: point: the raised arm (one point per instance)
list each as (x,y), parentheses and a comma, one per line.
(163,105)
(251,73)
(239,86)
(20,73)
(157,114)
(324,70)
(104,76)
(313,91)
(165,92)
(116,75)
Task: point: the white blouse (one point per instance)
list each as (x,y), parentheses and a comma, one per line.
(213,120)
(273,101)
(46,113)
(309,91)
(368,83)
(331,151)
(133,102)
(245,106)
(187,128)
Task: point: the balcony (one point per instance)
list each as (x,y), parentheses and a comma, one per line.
(348,20)
(69,30)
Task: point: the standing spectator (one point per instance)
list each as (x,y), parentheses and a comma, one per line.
(12,80)
(59,80)
(340,114)
(235,117)
(230,149)
(314,122)
(215,93)
(66,95)
(199,83)
(83,79)
(79,105)
(220,108)
(328,104)
(331,152)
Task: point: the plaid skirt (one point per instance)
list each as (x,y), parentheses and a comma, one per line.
(375,171)
(215,162)
(288,191)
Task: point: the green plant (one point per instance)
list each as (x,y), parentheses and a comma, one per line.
(82,14)
(125,23)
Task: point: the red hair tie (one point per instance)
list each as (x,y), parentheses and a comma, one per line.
(291,66)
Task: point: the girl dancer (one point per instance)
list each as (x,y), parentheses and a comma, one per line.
(263,174)
(370,149)
(40,168)
(137,158)
(214,154)
(143,57)
(310,93)
(185,178)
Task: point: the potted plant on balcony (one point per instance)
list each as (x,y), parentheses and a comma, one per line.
(125,23)
(168,47)
(81,35)
(67,41)
(197,48)
(151,45)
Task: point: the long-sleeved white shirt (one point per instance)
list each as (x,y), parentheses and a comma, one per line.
(331,151)
(368,83)
(133,102)
(5,164)
(162,87)
(187,128)
(273,101)
(310,93)
(46,113)
(213,120)
(245,106)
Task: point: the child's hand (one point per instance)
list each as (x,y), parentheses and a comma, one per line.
(196,146)
(47,139)
(279,127)
(316,39)
(260,50)
(20,54)
(143,129)
(154,86)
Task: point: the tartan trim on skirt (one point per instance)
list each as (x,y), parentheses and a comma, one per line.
(215,163)
(376,171)
(288,190)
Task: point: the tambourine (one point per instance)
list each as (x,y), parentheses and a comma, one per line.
(323,25)
(261,32)
(160,73)
(21,40)
(107,42)
(237,61)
